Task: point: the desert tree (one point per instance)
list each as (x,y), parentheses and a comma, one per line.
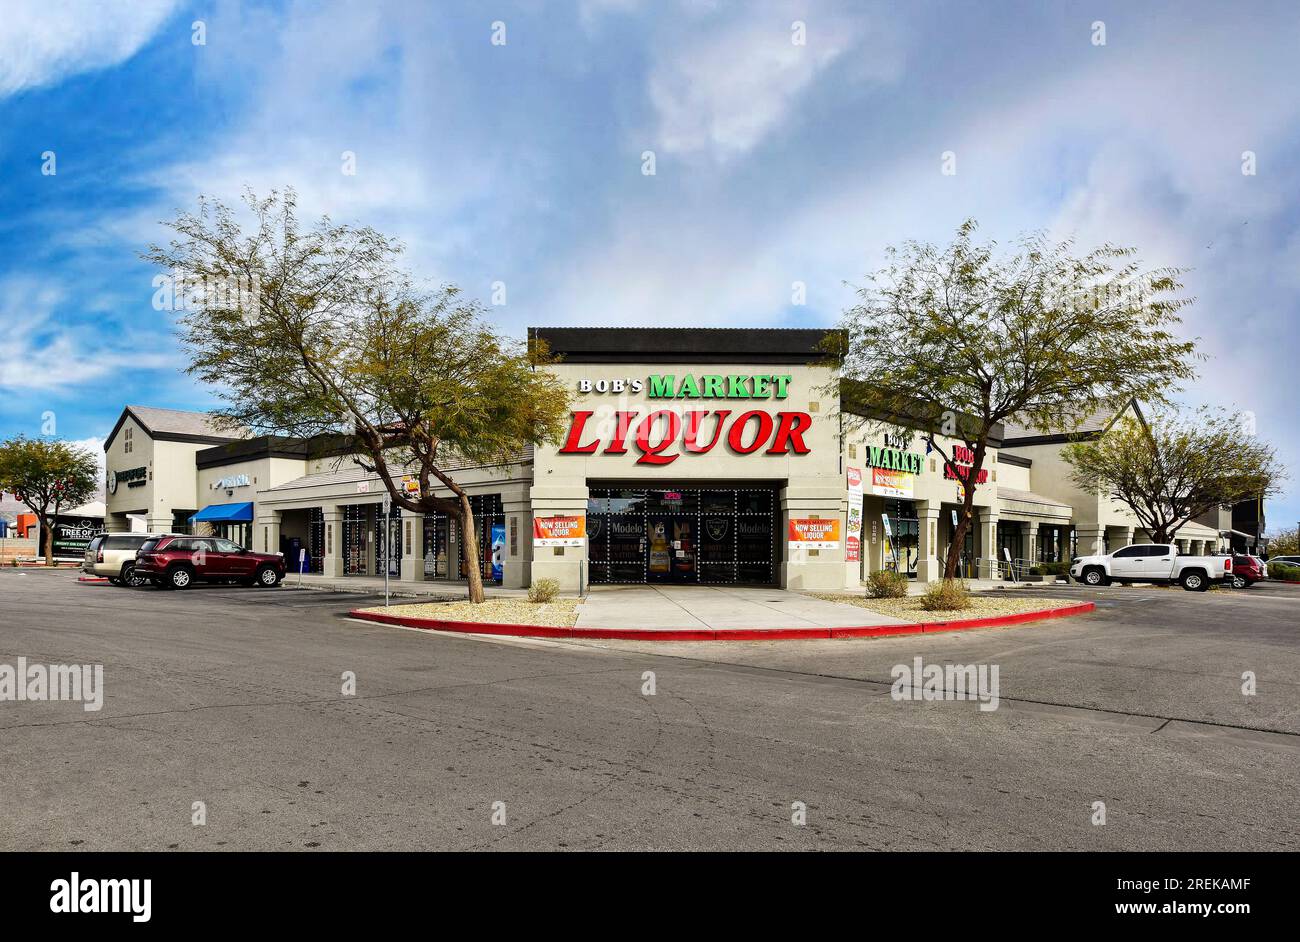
(47,476)
(1169,468)
(957,340)
(316,332)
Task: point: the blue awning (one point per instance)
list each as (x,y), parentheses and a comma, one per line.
(225,513)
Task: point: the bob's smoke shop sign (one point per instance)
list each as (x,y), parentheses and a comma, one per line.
(661,436)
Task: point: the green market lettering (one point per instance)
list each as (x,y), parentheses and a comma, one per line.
(893,460)
(704,386)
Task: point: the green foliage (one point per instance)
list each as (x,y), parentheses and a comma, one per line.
(48,476)
(317,331)
(1284,571)
(1169,468)
(955,340)
(886,584)
(543,590)
(1284,543)
(946,595)
(1049,569)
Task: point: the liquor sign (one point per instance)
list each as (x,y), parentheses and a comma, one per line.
(814,533)
(853,532)
(411,485)
(560,531)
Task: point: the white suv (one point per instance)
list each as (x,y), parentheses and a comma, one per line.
(113,555)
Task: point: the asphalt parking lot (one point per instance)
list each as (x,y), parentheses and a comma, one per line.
(233,697)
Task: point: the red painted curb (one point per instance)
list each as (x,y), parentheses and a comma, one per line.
(92,578)
(719,634)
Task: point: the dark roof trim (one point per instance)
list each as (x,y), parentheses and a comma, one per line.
(1056,438)
(683,344)
(162,436)
(271,446)
(917,415)
(1006,458)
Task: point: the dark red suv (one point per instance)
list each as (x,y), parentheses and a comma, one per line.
(175,562)
(1247,570)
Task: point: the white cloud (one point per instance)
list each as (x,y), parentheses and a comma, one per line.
(42,42)
(720,86)
(41,353)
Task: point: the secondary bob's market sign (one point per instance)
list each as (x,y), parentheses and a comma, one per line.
(661,436)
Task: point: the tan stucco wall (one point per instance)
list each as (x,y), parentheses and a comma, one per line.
(811,485)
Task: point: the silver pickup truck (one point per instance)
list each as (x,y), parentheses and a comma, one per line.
(1153,562)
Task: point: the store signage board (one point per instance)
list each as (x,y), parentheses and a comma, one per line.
(131,477)
(560,531)
(888,483)
(814,533)
(230,481)
(853,532)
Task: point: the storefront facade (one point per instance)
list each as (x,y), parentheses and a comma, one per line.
(690,456)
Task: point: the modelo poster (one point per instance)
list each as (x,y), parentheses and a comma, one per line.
(498,551)
(814,533)
(560,531)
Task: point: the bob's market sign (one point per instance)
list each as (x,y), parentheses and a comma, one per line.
(661,436)
(691,386)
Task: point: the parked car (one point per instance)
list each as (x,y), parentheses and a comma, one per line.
(176,561)
(1153,562)
(1247,570)
(112,555)
(1285,560)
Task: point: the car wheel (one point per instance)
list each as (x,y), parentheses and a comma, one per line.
(1095,577)
(1194,582)
(130,578)
(1239,582)
(180,578)
(267,577)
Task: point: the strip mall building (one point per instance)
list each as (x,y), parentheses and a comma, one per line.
(693,456)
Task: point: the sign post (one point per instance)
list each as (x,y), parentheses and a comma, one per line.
(302,562)
(387,534)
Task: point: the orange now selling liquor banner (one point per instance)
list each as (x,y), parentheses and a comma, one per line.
(814,533)
(560,531)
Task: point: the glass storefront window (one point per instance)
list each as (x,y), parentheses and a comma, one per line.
(684,536)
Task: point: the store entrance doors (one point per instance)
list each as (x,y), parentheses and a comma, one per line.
(670,549)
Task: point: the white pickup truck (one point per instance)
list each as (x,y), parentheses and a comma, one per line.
(1153,562)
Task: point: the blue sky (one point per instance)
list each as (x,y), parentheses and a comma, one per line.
(521,163)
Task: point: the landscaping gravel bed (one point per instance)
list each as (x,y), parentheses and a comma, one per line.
(557,613)
(981,606)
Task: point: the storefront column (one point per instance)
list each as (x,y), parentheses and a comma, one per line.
(1089,541)
(411,533)
(266,536)
(332,560)
(567,565)
(988,544)
(1029,541)
(517,565)
(805,569)
(929,567)
(1121,537)
(1182,546)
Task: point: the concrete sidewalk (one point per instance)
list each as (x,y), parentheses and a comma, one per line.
(717,607)
(375,584)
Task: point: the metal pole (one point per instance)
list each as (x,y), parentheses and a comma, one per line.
(388,533)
